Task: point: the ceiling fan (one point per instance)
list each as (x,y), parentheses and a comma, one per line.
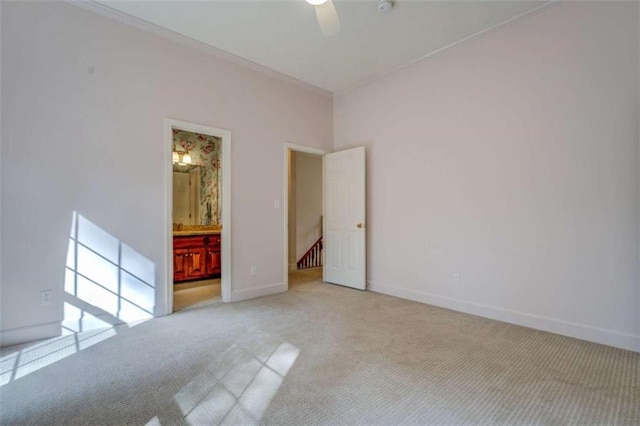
(328,16)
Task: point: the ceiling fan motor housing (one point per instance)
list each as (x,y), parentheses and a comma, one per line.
(385,6)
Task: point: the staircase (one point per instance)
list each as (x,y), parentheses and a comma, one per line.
(313,257)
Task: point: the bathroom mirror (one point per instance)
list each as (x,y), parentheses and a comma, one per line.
(186,195)
(196,186)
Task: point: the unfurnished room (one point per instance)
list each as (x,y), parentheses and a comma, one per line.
(332,212)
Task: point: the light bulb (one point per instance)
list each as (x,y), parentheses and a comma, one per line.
(175,157)
(186,159)
(316,2)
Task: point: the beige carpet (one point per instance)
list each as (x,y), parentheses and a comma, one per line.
(192,293)
(323,354)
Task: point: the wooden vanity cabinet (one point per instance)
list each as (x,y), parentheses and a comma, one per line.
(213,262)
(180,264)
(196,257)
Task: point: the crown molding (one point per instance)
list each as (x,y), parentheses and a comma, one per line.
(101,9)
(533,10)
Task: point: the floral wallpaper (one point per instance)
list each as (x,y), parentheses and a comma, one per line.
(205,152)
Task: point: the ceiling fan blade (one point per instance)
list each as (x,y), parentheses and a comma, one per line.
(328,19)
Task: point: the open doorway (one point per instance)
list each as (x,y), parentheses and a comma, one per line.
(198,215)
(304,242)
(197,218)
(343,253)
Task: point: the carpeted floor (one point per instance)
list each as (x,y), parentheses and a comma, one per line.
(192,293)
(320,354)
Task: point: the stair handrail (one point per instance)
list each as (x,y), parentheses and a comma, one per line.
(313,257)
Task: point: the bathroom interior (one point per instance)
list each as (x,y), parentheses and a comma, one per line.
(196,218)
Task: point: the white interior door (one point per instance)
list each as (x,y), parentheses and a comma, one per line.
(181,198)
(344,227)
(194,196)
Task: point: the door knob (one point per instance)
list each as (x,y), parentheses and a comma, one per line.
(359,225)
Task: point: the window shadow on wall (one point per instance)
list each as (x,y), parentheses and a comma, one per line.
(107,283)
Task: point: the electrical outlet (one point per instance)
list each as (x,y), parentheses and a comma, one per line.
(45,298)
(254,270)
(455,279)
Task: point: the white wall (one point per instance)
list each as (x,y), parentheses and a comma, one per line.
(308,201)
(83,107)
(1,172)
(511,159)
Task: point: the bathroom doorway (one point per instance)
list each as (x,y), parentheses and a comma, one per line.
(198,197)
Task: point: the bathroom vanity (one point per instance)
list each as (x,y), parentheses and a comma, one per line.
(196,255)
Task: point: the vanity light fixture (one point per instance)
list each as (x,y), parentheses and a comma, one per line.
(181,158)
(186,158)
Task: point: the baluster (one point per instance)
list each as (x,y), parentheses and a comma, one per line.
(313,257)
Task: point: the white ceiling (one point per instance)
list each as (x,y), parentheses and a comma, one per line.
(284,35)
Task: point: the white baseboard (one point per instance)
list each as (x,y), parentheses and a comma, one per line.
(18,335)
(252,293)
(614,338)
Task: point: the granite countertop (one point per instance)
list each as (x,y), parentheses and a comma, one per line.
(188,233)
(180,230)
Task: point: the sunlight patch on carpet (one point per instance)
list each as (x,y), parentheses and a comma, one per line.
(237,387)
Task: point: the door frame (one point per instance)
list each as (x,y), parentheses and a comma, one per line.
(225,234)
(288,147)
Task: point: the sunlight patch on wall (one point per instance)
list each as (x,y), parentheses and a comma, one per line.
(106,281)
(76,320)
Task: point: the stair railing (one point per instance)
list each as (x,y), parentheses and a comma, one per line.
(313,257)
